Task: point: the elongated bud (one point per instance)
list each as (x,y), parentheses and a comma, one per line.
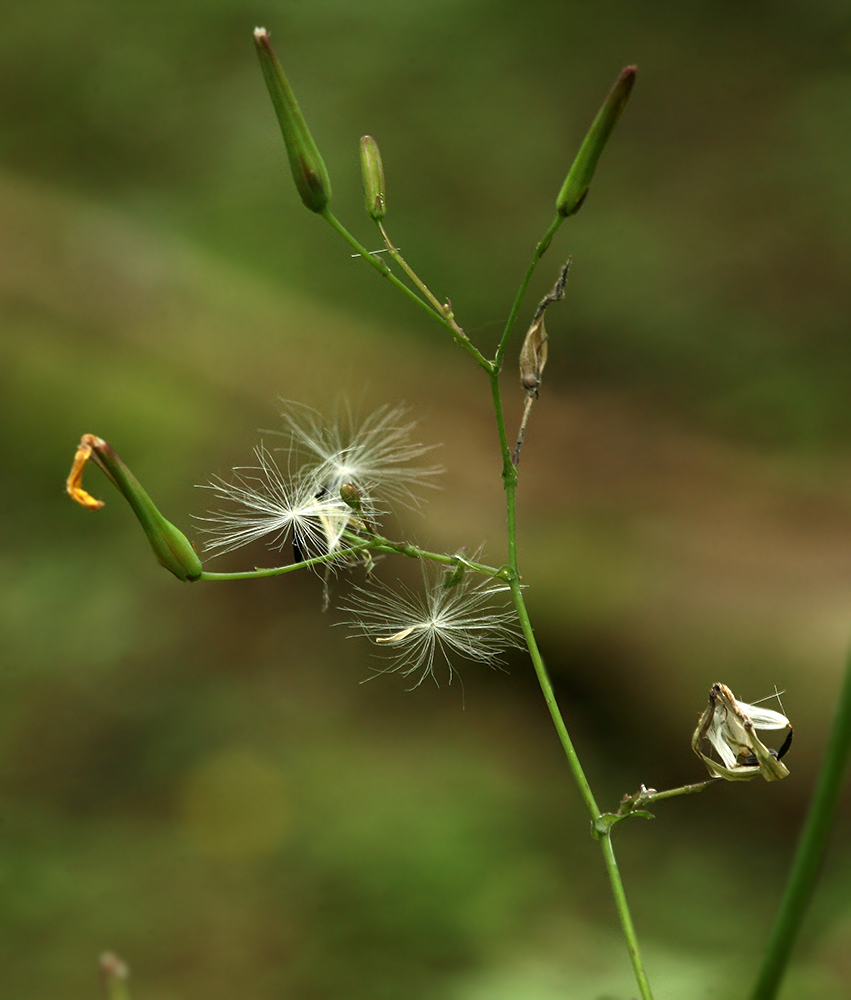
(309,173)
(373,178)
(171,547)
(579,177)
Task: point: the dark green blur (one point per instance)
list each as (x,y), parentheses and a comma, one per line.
(194,778)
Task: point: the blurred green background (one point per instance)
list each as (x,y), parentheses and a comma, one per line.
(193,776)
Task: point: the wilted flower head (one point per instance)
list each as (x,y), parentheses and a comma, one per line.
(452,619)
(730,726)
(301,502)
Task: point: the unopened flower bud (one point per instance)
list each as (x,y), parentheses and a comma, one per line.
(308,169)
(373,178)
(350,496)
(579,177)
(171,547)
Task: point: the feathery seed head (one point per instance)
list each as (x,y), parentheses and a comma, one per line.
(421,633)
(369,462)
(263,502)
(374,455)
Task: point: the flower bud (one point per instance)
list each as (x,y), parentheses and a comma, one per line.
(373,178)
(309,173)
(579,177)
(171,547)
(350,495)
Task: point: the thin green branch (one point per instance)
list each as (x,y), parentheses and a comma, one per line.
(375,543)
(650,796)
(436,313)
(393,250)
(540,250)
(257,574)
(414,552)
(812,848)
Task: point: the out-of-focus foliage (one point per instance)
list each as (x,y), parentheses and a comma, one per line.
(192,775)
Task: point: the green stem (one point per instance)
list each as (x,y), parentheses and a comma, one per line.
(812,847)
(540,250)
(379,265)
(581,780)
(623,913)
(509,478)
(650,797)
(550,699)
(377,543)
(411,273)
(257,574)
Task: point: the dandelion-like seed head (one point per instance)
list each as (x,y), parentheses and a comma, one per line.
(299,501)
(375,454)
(263,502)
(420,633)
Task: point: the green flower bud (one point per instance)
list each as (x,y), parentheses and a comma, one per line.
(350,495)
(373,178)
(309,173)
(171,547)
(578,180)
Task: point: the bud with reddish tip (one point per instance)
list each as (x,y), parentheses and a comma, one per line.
(578,180)
(308,169)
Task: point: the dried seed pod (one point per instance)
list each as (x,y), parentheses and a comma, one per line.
(730,726)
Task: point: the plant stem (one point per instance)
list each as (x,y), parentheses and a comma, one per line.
(670,793)
(509,478)
(581,780)
(812,847)
(257,574)
(400,260)
(540,250)
(437,314)
(377,543)
(550,699)
(623,913)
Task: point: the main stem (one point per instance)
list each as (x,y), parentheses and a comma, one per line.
(509,478)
